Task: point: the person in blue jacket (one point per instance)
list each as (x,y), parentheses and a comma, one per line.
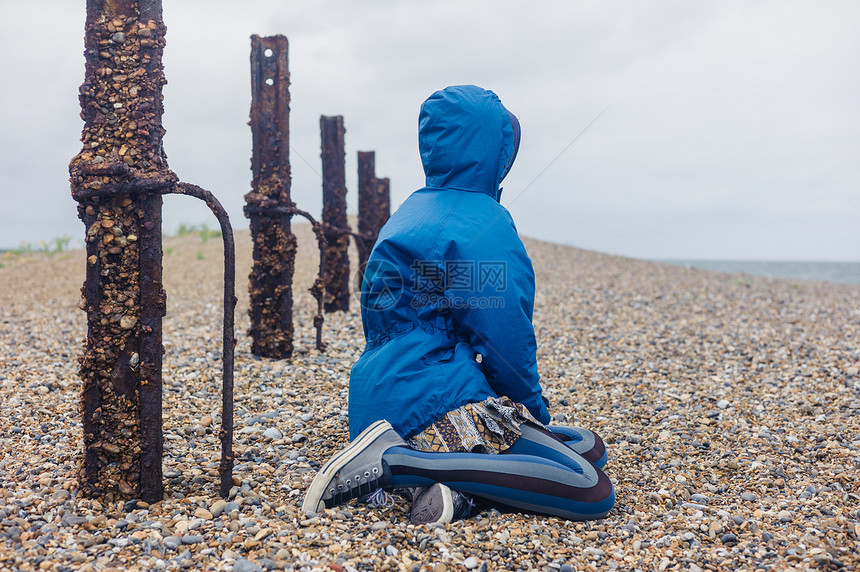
(446,396)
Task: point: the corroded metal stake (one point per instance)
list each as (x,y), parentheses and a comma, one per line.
(268,205)
(374,207)
(118,180)
(334,219)
(382,206)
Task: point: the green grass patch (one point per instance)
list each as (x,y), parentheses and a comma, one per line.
(202,230)
(51,247)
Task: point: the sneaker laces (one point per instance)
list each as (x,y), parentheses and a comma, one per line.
(355,487)
(464,507)
(378,499)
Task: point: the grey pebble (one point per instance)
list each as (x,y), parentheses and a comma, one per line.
(723,403)
(172,542)
(729,538)
(245,565)
(272,433)
(630,525)
(738,519)
(699,498)
(470,563)
(694,505)
(766,536)
(230,507)
(192,539)
(267,563)
(185,556)
(594,552)
(748,496)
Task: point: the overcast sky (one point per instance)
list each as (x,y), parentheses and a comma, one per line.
(729,129)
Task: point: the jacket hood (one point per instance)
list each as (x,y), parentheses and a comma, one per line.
(467,139)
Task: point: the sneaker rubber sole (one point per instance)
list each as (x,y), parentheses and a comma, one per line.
(313,502)
(434,505)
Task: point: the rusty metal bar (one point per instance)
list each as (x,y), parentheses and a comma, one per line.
(317,289)
(228,344)
(334,220)
(271,296)
(118,179)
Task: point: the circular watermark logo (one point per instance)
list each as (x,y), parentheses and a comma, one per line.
(378,285)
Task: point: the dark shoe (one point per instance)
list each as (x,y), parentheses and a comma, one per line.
(356,471)
(439,504)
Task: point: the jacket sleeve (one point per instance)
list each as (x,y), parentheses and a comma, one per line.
(495,314)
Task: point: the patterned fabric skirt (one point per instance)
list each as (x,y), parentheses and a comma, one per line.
(489,426)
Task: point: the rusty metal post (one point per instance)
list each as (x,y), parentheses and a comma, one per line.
(374,208)
(366,194)
(382,199)
(334,221)
(118,180)
(268,205)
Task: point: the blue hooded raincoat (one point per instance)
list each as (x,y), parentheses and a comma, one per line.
(449,280)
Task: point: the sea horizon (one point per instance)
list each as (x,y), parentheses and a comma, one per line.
(826,271)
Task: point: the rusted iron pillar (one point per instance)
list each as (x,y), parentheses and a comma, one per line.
(118,179)
(374,207)
(121,105)
(334,221)
(268,205)
(383,202)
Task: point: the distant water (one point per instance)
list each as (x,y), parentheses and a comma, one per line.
(845,272)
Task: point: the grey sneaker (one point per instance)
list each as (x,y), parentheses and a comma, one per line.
(439,504)
(356,471)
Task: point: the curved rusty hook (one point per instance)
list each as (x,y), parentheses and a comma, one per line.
(229,341)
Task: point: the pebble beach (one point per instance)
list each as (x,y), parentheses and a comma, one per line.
(730,406)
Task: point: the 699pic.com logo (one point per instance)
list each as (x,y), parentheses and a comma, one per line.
(459,284)
(379,285)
